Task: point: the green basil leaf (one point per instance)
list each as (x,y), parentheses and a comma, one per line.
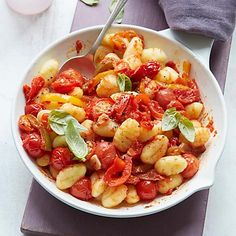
(187,129)
(124,83)
(120,16)
(170,119)
(90,2)
(58,120)
(75,142)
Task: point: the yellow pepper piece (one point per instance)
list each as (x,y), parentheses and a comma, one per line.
(61,98)
(177,86)
(186,68)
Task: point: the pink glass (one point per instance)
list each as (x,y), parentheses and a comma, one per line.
(29,7)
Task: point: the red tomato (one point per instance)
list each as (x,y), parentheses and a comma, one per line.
(174,141)
(61,157)
(147,124)
(132,180)
(123,67)
(120,107)
(25,125)
(150,175)
(176,104)
(164,97)
(37,84)
(192,167)
(106,153)
(156,110)
(135,150)
(147,190)
(82,189)
(187,96)
(67,81)
(149,69)
(172,65)
(119,172)
(32,144)
(44,120)
(33,109)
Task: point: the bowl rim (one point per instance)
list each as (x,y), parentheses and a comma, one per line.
(104,211)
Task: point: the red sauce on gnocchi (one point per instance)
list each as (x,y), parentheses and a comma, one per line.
(120,135)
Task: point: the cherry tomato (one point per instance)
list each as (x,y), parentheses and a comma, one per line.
(106,153)
(147,124)
(149,69)
(147,190)
(123,67)
(150,175)
(187,96)
(33,109)
(32,144)
(119,172)
(174,141)
(120,107)
(192,167)
(24,124)
(132,180)
(82,189)
(156,110)
(37,84)
(67,81)
(135,150)
(178,105)
(164,97)
(61,157)
(172,65)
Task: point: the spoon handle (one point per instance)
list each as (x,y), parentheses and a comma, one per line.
(120,4)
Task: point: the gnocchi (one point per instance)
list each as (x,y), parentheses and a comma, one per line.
(77,112)
(98,184)
(167,75)
(153,54)
(49,70)
(194,110)
(132,195)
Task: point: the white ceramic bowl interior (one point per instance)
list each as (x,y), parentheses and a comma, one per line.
(211,96)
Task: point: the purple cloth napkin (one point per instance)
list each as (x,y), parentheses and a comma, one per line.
(212,18)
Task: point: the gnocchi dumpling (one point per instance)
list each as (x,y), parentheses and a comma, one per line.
(132,195)
(77,112)
(105,126)
(77,92)
(194,110)
(101,52)
(167,75)
(170,165)
(155,149)
(134,48)
(89,133)
(167,185)
(49,70)
(202,135)
(59,141)
(113,196)
(69,175)
(146,134)
(133,61)
(98,184)
(126,134)
(107,86)
(153,54)
(43,160)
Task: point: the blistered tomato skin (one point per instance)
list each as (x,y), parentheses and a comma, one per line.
(32,144)
(82,189)
(33,109)
(147,190)
(61,157)
(164,97)
(192,167)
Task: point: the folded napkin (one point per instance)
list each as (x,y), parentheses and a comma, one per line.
(212,18)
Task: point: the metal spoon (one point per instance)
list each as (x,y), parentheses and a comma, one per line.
(84,63)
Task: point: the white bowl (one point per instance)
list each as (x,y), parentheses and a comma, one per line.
(211,96)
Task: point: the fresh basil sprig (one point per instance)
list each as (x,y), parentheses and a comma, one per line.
(75,142)
(120,16)
(124,83)
(90,2)
(172,119)
(63,123)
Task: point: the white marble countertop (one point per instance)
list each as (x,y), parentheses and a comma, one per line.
(21,37)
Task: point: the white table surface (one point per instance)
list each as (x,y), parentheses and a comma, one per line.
(21,38)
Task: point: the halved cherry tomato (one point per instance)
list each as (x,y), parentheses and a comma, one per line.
(37,84)
(146,190)
(156,110)
(123,67)
(150,175)
(174,141)
(149,69)
(119,172)
(187,96)
(164,97)
(82,189)
(175,103)
(147,124)
(32,144)
(142,98)
(120,106)
(106,153)
(33,108)
(61,157)
(67,81)
(25,124)
(192,167)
